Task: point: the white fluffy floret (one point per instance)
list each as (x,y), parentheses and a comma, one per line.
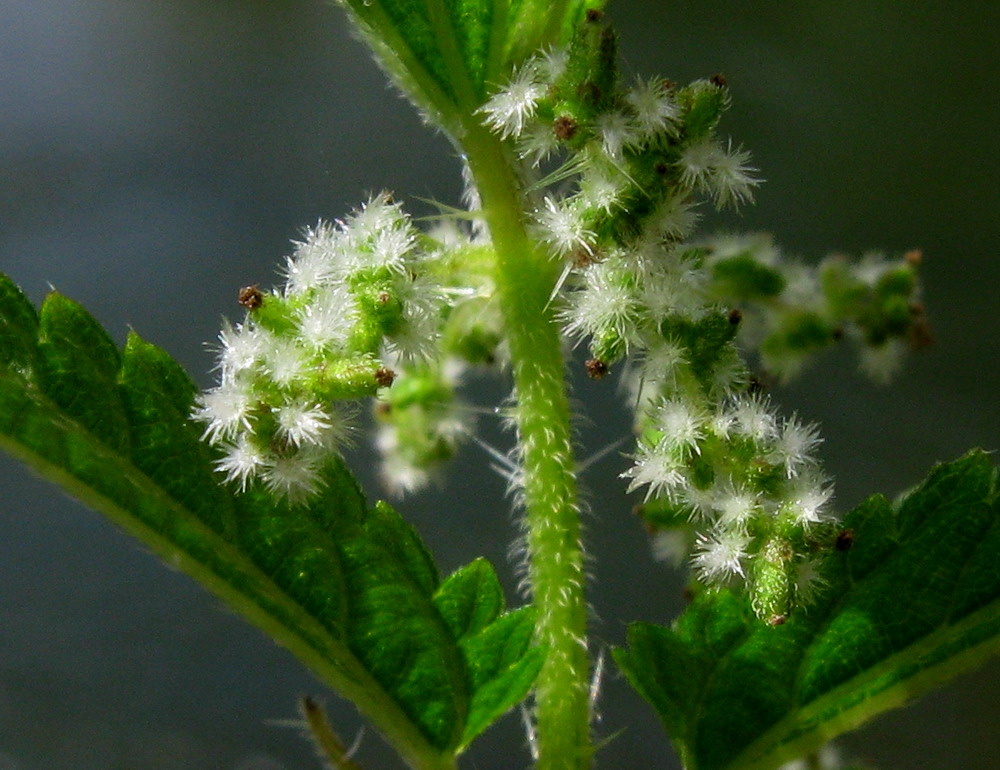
(795,445)
(682,427)
(317,260)
(300,422)
(719,557)
(242,461)
(604,305)
(327,321)
(658,469)
(225,410)
(561,226)
(654,107)
(617,132)
(240,348)
(733,179)
(510,108)
(294,476)
(725,174)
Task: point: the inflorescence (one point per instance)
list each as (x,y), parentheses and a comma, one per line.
(612,176)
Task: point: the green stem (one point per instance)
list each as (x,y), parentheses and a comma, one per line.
(525,276)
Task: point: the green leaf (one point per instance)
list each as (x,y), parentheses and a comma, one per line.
(914,602)
(502,665)
(18,329)
(470,599)
(350,590)
(446,54)
(78,369)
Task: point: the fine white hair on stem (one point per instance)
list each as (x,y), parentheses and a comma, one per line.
(596,680)
(529,731)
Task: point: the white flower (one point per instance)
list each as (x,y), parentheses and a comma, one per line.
(294,476)
(719,557)
(662,361)
(316,260)
(302,423)
(509,109)
(697,162)
(328,320)
(242,462)
(226,410)
(562,228)
(754,420)
(723,423)
(284,361)
(674,219)
(671,546)
(422,300)
(809,496)
(617,133)
(378,214)
(239,348)
(391,246)
(682,426)
(600,189)
(870,268)
(536,143)
(670,284)
(733,177)
(795,445)
(551,65)
(654,106)
(663,472)
(882,361)
(735,507)
(398,474)
(725,174)
(605,305)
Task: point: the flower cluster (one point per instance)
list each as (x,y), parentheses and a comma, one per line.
(358,300)
(614,174)
(420,424)
(750,484)
(790,310)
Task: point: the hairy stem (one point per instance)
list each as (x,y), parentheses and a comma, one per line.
(525,277)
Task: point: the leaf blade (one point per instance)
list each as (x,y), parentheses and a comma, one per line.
(914,602)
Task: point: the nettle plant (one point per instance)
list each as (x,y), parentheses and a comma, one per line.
(579,230)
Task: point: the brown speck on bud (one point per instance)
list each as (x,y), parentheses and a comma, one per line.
(719,80)
(383,297)
(384,377)
(251,297)
(661,168)
(388,198)
(688,594)
(581,258)
(735,316)
(777,620)
(564,127)
(913,257)
(837,334)
(757,384)
(845,540)
(382,409)
(596,368)
(667,84)
(594,15)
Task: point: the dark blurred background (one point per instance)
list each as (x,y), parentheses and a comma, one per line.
(157,154)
